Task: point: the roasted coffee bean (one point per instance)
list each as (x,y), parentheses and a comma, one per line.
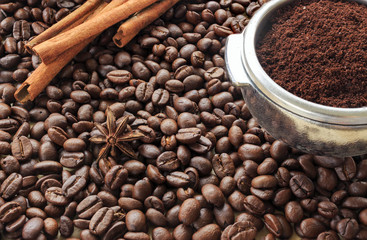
(21,148)
(116,177)
(213,195)
(189,211)
(210,231)
(101,221)
(73,185)
(32,228)
(311,227)
(135,221)
(327,209)
(188,135)
(48,167)
(57,135)
(89,206)
(9,164)
(347,228)
(168,161)
(66,226)
(254,205)
(21,30)
(273,224)
(293,212)
(301,186)
(72,159)
(264,181)
(11,186)
(223,165)
(55,195)
(347,170)
(178,179)
(328,235)
(10,211)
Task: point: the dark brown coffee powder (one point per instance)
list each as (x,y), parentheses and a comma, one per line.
(317,50)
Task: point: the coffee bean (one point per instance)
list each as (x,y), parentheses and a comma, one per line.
(11,185)
(178,179)
(101,221)
(116,177)
(301,186)
(188,135)
(311,227)
(210,231)
(32,228)
(57,135)
(327,209)
(135,221)
(72,159)
(10,211)
(223,165)
(73,185)
(293,212)
(254,205)
(189,211)
(168,161)
(21,148)
(55,196)
(347,228)
(213,195)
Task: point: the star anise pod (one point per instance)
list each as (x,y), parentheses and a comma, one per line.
(114,137)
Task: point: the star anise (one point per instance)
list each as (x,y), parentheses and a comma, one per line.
(114,137)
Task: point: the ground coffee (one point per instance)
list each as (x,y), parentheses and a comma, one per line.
(317,50)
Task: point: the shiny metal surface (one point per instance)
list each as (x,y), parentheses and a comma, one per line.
(302,124)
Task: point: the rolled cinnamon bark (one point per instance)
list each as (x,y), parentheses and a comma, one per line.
(51,49)
(44,74)
(130,28)
(68,22)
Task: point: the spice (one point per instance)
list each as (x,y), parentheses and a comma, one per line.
(49,50)
(317,50)
(131,27)
(65,39)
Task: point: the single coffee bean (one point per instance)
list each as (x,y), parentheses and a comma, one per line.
(135,221)
(178,179)
(188,135)
(301,186)
(293,212)
(254,205)
(223,165)
(208,232)
(213,195)
(101,221)
(168,161)
(32,228)
(327,209)
(347,228)
(21,148)
(10,211)
(55,195)
(189,211)
(116,177)
(89,206)
(73,185)
(311,227)
(11,186)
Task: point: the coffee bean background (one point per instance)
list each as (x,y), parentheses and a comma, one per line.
(205,169)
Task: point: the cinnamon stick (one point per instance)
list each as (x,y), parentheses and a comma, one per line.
(130,28)
(44,74)
(71,20)
(53,48)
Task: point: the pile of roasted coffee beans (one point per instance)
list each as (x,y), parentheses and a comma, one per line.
(205,169)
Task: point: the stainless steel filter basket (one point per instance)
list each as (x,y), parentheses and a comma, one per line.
(305,125)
